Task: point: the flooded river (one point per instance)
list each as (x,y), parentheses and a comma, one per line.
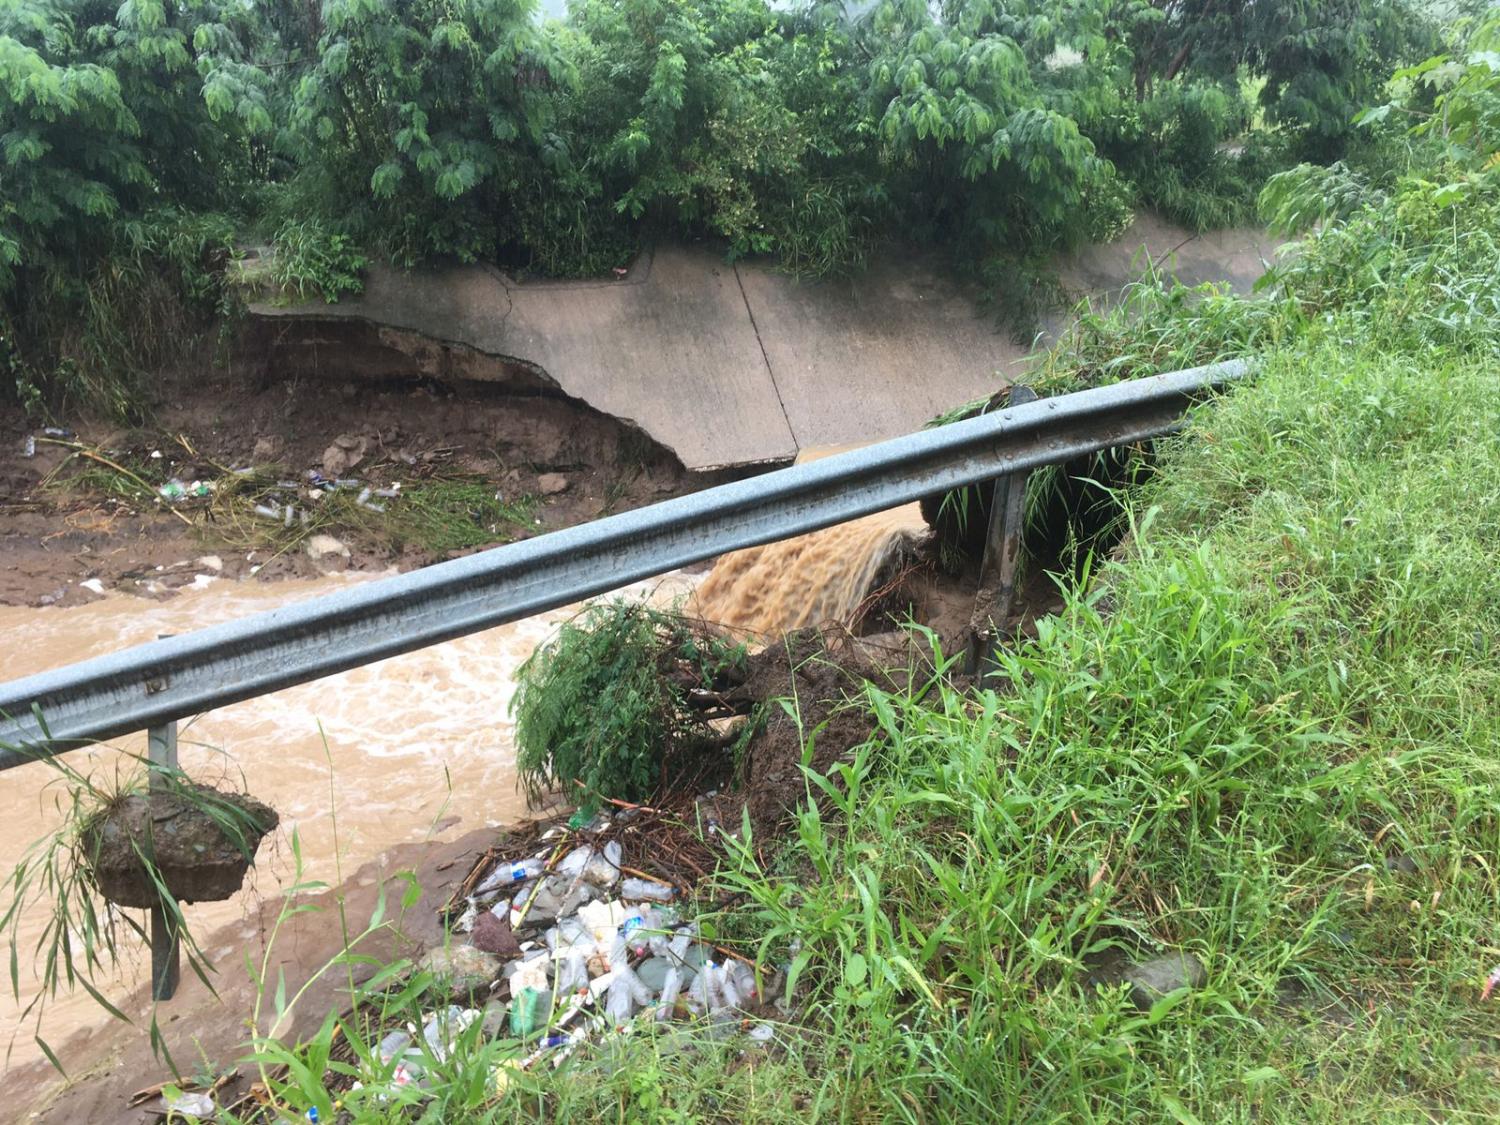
(415,747)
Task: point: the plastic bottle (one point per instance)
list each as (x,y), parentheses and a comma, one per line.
(574,862)
(572,974)
(627,993)
(679,946)
(602,869)
(646,890)
(706,993)
(729,989)
(508,873)
(393,1046)
(446,1026)
(635,918)
(619,955)
(744,978)
(670,988)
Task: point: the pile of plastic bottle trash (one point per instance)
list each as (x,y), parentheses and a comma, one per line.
(600,953)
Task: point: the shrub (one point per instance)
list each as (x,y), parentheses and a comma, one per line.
(604,705)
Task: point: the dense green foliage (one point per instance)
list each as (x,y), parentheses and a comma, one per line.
(994,131)
(602,706)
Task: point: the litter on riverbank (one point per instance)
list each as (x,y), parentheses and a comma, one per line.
(563,939)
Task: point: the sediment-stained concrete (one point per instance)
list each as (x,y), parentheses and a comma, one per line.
(671,348)
(737,365)
(877,355)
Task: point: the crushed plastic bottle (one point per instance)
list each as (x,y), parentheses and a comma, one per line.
(191,1105)
(627,994)
(729,988)
(508,873)
(646,890)
(670,989)
(445,1027)
(393,1046)
(601,869)
(743,977)
(572,974)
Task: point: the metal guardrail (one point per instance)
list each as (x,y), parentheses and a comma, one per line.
(160,682)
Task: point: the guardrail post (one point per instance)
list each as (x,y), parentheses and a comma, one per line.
(1002,551)
(166,960)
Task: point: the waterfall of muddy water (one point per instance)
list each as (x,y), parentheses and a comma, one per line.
(392,729)
(822,576)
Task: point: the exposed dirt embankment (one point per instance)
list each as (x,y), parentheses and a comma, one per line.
(473,451)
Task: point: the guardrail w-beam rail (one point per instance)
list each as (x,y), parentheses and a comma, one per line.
(152,686)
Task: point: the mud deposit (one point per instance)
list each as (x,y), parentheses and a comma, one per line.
(387,409)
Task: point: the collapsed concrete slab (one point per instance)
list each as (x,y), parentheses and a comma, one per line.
(670,349)
(877,355)
(729,365)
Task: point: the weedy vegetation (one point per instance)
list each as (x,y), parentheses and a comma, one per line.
(85,935)
(603,709)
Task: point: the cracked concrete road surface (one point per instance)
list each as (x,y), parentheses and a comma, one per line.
(737,364)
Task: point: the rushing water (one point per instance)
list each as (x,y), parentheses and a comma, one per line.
(823,576)
(401,750)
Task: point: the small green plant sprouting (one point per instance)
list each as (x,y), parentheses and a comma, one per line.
(311,259)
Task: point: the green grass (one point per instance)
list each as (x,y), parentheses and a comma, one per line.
(1218,746)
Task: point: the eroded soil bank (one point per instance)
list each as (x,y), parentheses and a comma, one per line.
(460,450)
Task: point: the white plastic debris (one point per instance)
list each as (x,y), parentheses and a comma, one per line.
(627,994)
(743,977)
(670,990)
(507,873)
(572,974)
(763,1032)
(191,1105)
(648,890)
(530,973)
(573,863)
(446,1026)
(729,988)
(393,1046)
(93,585)
(602,920)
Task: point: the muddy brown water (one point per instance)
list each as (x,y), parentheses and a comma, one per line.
(418,747)
(822,576)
